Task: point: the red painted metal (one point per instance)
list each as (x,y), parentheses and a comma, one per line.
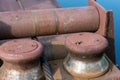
(49,21)
(55,43)
(85,57)
(14,5)
(106,27)
(21,60)
(85,44)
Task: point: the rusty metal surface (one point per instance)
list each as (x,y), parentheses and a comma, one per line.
(21,60)
(41,4)
(103,17)
(61,38)
(53,46)
(106,27)
(48,21)
(50,48)
(20,49)
(9,5)
(58,41)
(60,52)
(86,44)
(14,5)
(85,55)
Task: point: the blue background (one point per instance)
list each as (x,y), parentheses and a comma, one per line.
(109,5)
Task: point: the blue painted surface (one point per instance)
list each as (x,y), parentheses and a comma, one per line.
(109,5)
(114,5)
(71,3)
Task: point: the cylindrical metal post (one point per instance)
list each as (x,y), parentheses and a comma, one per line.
(48,21)
(21,60)
(85,55)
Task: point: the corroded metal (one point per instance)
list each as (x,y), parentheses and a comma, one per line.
(48,21)
(14,5)
(85,58)
(106,27)
(56,47)
(53,45)
(21,60)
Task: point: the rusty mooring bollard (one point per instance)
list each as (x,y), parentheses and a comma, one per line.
(21,60)
(85,58)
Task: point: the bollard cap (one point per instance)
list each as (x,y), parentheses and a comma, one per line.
(20,50)
(86,44)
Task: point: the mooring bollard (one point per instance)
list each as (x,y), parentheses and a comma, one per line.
(21,60)
(85,57)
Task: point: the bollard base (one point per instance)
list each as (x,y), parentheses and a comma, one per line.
(59,73)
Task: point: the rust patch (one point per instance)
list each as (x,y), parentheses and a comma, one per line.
(21,60)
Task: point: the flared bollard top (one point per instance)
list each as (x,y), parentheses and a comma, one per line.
(20,50)
(86,44)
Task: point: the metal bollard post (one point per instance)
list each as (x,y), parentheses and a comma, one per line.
(85,57)
(21,60)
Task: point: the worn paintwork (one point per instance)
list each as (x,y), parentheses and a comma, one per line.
(85,55)
(21,60)
(48,21)
(60,39)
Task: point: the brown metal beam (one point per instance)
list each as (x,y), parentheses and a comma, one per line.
(29,23)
